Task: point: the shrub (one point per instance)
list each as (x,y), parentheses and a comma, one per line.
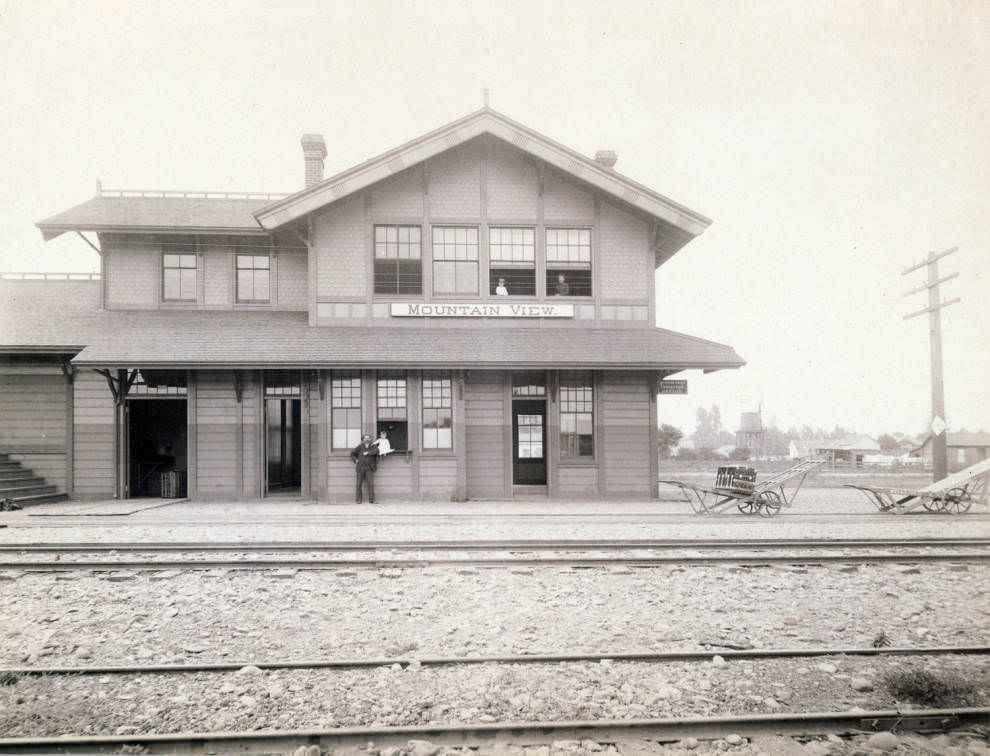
(927,688)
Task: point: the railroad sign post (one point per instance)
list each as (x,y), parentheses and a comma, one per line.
(940,467)
(672,387)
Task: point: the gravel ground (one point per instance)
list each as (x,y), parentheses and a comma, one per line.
(178,616)
(252,699)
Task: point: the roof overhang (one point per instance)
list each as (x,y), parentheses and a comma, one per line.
(683,222)
(50,231)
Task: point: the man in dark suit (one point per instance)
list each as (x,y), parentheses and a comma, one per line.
(365,458)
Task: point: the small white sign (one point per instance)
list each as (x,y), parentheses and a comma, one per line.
(938,425)
(480,310)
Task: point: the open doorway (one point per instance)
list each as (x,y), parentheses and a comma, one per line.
(156,431)
(283,444)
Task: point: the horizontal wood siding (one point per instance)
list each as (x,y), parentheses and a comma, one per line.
(32,411)
(341,475)
(485,419)
(216,435)
(92,438)
(250,396)
(578,482)
(438,478)
(394,479)
(625,408)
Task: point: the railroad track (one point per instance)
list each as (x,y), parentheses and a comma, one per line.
(726,653)
(518,733)
(496,545)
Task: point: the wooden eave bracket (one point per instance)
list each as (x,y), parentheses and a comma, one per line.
(120,385)
(98,250)
(68,370)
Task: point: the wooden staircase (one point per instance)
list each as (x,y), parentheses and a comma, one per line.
(22,486)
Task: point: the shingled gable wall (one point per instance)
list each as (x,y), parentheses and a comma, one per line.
(481,183)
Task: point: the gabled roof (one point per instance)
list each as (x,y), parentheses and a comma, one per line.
(678,224)
(158,214)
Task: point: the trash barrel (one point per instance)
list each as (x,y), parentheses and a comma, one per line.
(173,484)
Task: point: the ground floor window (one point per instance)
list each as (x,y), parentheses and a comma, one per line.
(576,415)
(345,410)
(438,412)
(392,413)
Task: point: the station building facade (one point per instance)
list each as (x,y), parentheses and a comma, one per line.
(482,294)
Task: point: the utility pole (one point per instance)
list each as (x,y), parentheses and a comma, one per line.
(935,305)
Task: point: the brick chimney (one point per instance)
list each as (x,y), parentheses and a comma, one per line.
(314,151)
(606,158)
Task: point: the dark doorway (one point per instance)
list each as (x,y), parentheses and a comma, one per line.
(283,444)
(156,431)
(529,436)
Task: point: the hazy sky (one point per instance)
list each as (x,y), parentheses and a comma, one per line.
(833,144)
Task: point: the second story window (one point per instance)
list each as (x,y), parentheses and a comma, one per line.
(455,260)
(179,273)
(512,255)
(568,262)
(398,260)
(253,278)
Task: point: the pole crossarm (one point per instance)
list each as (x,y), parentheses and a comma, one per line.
(932,257)
(932,309)
(930,285)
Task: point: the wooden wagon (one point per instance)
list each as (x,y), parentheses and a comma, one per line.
(737,487)
(954,494)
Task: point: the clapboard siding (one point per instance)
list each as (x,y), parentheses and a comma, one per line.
(92,438)
(341,475)
(393,481)
(216,435)
(438,477)
(484,411)
(577,482)
(625,416)
(251,432)
(32,410)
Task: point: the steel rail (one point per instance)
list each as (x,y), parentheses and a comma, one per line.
(493,545)
(520,733)
(578,562)
(446,661)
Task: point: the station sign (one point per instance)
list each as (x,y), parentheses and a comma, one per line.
(480,310)
(673,387)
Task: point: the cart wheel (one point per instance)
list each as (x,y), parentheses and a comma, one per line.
(933,505)
(768,503)
(957,500)
(746,506)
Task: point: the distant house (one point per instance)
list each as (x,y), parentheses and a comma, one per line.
(964,449)
(851,449)
(751,434)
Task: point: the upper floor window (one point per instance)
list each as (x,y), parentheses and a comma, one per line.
(438,413)
(568,262)
(577,395)
(455,260)
(179,273)
(253,280)
(398,260)
(345,410)
(512,261)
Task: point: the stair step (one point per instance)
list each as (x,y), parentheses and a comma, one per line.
(14,474)
(12,492)
(40,498)
(8,465)
(24,479)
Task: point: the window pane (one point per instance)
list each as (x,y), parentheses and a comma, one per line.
(172,290)
(188,283)
(467,278)
(171,261)
(261,285)
(188,261)
(245,285)
(443,277)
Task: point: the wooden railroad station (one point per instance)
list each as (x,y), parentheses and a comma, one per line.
(482,294)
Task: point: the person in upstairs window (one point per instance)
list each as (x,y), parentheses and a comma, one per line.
(365,458)
(562,288)
(500,290)
(384,447)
